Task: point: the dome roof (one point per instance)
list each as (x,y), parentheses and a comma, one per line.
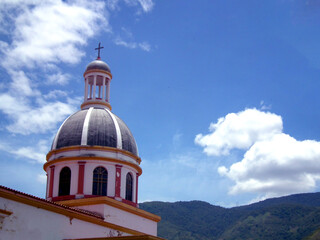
(95,127)
(98,65)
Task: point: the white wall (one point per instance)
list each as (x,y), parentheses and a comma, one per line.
(28,222)
(123,218)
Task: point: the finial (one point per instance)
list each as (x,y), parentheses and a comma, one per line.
(98,48)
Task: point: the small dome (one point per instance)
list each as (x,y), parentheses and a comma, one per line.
(98,65)
(95,127)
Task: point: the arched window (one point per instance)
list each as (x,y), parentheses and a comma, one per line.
(64,181)
(129,187)
(100,181)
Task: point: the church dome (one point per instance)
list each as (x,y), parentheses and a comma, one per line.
(98,65)
(95,127)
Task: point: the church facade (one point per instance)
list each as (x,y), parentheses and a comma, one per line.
(93,171)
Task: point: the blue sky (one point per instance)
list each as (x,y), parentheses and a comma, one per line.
(221,96)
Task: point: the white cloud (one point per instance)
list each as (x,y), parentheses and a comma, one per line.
(59,78)
(127,32)
(147,5)
(119,41)
(112,4)
(145,46)
(28,119)
(274,163)
(8,10)
(35,153)
(41,119)
(239,130)
(264,107)
(11,105)
(277,166)
(21,84)
(52,32)
(3,46)
(55,94)
(131,44)
(31,153)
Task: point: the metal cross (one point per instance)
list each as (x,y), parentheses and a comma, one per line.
(98,48)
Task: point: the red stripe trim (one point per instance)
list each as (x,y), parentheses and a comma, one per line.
(81,177)
(118,180)
(51,181)
(62,198)
(137,176)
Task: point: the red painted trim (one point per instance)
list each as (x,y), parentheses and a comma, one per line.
(81,177)
(62,198)
(91,196)
(71,197)
(129,203)
(51,181)
(118,180)
(137,176)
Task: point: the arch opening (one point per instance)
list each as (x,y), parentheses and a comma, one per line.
(129,187)
(64,181)
(100,181)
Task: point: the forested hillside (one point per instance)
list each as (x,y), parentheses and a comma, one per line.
(292,217)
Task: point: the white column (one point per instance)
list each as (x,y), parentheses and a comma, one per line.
(108,90)
(85,89)
(104,88)
(94,86)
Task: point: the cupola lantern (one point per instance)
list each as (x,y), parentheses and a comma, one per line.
(97,77)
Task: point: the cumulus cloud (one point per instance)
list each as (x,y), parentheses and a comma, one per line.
(273,164)
(239,130)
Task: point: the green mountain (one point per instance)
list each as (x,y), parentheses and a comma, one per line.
(291,217)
